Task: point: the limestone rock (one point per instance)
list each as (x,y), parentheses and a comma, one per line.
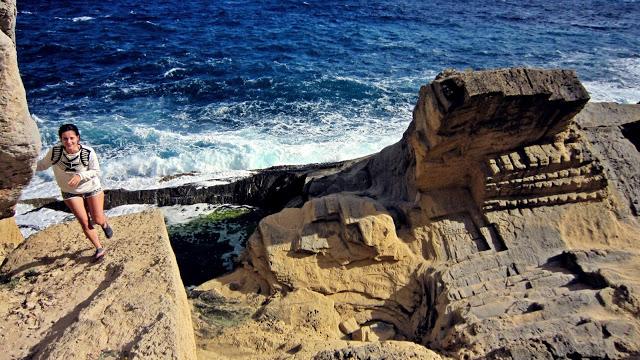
(614,133)
(303,309)
(499,227)
(384,331)
(462,116)
(8,18)
(61,304)
(20,140)
(376,331)
(10,237)
(499,216)
(365,334)
(349,326)
(364,266)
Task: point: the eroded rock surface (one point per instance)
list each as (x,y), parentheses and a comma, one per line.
(19,140)
(57,303)
(501,226)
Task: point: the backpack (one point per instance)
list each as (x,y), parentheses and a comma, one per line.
(56,154)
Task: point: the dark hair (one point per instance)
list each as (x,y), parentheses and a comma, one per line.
(67,127)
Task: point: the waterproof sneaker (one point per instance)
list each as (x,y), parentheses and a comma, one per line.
(108,231)
(99,254)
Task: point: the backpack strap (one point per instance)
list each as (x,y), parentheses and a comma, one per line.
(56,154)
(84,155)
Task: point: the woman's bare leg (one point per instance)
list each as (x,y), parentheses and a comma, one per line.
(96,208)
(76,205)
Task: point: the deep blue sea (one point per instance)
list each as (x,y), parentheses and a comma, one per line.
(221,87)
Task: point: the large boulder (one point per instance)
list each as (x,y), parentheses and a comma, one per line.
(19,140)
(463,116)
(343,247)
(57,303)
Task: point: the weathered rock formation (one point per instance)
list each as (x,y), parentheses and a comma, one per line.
(502,226)
(20,140)
(19,137)
(57,303)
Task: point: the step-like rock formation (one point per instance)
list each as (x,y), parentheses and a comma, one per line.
(57,303)
(501,226)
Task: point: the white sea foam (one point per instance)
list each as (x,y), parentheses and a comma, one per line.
(603,91)
(82,18)
(148,153)
(30,222)
(128,209)
(172,71)
(215,158)
(37,119)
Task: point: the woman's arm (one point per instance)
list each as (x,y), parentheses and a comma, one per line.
(45,162)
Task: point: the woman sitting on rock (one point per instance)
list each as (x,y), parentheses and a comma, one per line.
(77,173)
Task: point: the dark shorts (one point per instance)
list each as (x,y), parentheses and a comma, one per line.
(66,195)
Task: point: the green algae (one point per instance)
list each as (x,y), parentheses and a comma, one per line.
(209,245)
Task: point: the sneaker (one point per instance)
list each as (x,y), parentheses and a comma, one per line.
(108,231)
(99,253)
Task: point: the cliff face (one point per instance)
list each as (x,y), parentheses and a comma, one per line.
(20,140)
(502,225)
(19,137)
(57,303)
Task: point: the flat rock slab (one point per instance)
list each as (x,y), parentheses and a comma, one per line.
(56,302)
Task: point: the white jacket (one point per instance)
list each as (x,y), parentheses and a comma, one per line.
(84,163)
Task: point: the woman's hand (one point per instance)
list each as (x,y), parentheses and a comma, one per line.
(75,180)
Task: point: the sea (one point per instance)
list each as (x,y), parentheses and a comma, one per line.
(213,89)
(216,88)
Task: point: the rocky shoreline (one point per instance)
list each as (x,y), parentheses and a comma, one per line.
(503,225)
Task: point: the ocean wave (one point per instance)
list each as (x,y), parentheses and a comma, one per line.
(212,157)
(173,72)
(596,26)
(82,18)
(623,86)
(603,91)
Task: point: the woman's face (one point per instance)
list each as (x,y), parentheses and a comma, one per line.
(70,141)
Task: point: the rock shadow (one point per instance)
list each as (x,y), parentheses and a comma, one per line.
(43,350)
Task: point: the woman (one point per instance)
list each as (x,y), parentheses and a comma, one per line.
(77,173)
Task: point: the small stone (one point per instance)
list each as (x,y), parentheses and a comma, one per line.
(362,334)
(349,326)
